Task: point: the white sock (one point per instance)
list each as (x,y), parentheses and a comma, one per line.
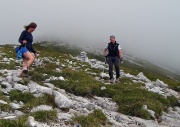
(25,68)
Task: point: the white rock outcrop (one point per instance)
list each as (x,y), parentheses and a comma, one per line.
(42,108)
(61,100)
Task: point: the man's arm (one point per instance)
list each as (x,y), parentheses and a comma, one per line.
(120,54)
(105,52)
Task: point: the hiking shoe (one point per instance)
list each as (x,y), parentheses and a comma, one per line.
(117,80)
(24,73)
(111,81)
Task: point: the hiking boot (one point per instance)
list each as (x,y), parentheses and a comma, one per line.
(117,80)
(24,73)
(111,81)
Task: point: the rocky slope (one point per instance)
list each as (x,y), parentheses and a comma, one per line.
(40,102)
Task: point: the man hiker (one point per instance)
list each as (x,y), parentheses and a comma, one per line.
(114,55)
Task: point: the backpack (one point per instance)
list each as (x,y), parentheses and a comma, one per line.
(18,53)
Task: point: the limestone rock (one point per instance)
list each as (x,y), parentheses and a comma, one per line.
(21,87)
(142,77)
(15,106)
(3,102)
(61,100)
(42,108)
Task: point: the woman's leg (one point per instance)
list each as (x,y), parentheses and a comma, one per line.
(24,65)
(30,59)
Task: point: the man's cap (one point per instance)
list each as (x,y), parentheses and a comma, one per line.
(112,36)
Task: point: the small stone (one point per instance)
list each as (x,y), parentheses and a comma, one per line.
(3,102)
(118,118)
(142,77)
(5,59)
(89,106)
(10,117)
(42,108)
(1,79)
(21,87)
(64,116)
(77,125)
(104,105)
(61,78)
(18,113)
(103,88)
(31,122)
(58,70)
(16,79)
(49,85)
(9,78)
(15,106)
(145,107)
(11,59)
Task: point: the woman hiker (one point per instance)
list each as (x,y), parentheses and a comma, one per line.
(26,40)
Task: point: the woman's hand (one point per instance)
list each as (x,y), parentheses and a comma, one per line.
(24,41)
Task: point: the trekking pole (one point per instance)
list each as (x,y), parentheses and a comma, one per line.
(121,60)
(105,61)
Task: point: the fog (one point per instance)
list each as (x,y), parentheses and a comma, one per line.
(147,29)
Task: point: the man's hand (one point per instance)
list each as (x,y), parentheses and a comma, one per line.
(105,52)
(24,41)
(121,60)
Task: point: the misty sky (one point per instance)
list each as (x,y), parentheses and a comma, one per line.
(148,29)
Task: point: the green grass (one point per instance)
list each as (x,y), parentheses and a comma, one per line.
(41,116)
(95,119)
(153,72)
(3,86)
(7,66)
(20,122)
(19,96)
(9,53)
(129,96)
(24,81)
(44,100)
(45,116)
(5,107)
(78,83)
(1,74)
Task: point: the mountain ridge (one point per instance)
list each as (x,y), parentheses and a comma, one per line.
(82,83)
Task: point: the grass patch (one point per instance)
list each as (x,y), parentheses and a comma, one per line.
(129,96)
(1,74)
(45,116)
(4,107)
(9,66)
(24,81)
(3,86)
(130,102)
(95,119)
(44,100)
(19,96)
(78,82)
(20,122)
